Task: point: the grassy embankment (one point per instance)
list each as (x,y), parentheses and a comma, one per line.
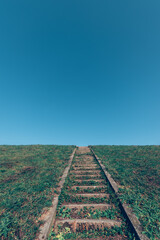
(137,170)
(28,179)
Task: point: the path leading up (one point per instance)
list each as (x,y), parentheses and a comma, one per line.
(87,206)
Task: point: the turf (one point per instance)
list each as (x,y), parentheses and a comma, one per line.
(28,179)
(137,170)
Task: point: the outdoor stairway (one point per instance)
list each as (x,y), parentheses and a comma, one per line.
(85,195)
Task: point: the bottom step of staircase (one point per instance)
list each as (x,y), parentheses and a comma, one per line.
(86,224)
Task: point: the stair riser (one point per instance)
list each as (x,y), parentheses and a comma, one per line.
(88,168)
(88,180)
(90,187)
(92,195)
(86,172)
(81,225)
(91,176)
(77,207)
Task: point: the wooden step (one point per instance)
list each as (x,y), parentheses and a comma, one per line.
(90,171)
(86,168)
(85,165)
(89,186)
(85,171)
(89,180)
(84,175)
(99,206)
(85,160)
(88,224)
(94,195)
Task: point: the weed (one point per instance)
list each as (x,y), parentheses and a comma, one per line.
(136,169)
(29,176)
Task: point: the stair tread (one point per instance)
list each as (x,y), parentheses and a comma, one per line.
(87,205)
(89,186)
(92,194)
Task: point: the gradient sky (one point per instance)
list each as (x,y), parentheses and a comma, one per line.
(80,72)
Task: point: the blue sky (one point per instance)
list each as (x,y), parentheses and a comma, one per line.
(80,72)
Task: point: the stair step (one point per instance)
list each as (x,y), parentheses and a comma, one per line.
(86,168)
(94,195)
(99,206)
(86,171)
(89,180)
(88,224)
(91,175)
(85,165)
(85,160)
(91,170)
(89,186)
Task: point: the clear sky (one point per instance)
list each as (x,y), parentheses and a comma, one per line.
(80,72)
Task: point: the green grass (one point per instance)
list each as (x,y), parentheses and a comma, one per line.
(88,183)
(107,233)
(68,196)
(90,213)
(28,179)
(137,170)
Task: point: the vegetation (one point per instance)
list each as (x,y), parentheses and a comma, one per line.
(87,213)
(113,233)
(68,196)
(28,179)
(137,170)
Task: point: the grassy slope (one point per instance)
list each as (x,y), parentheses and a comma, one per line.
(137,170)
(28,179)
